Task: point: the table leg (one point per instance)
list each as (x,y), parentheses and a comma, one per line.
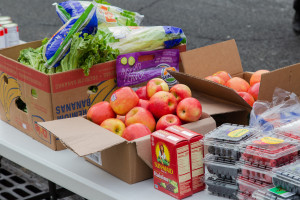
(52,190)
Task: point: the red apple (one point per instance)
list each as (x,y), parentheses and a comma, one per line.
(238,84)
(100,112)
(135,131)
(162,103)
(223,75)
(247,97)
(121,117)
(256,77)
(215,79)
(142,93)
(123,100)
(181,91)
(114,125)
(143,103)
(254,90)
(189,109)
(156,85)
(140,115)
(166,121)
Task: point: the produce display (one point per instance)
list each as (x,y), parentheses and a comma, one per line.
(256,173)
(274,193)
(223,141)
(288,177)
(221,187)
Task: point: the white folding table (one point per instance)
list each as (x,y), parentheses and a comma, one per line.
(68,170)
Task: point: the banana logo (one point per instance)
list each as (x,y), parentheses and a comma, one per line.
(105,89)
(9,91)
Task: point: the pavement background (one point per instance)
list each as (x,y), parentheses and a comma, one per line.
(262,29)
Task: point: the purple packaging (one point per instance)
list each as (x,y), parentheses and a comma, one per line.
(136,68)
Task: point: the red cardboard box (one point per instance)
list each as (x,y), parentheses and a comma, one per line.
(171,164)
(196,148)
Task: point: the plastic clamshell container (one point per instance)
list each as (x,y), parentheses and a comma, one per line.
(221,187)
(244,196)
(223,140)
(288,177)
(269,150)
(266,194)
(248,186)
(256,173)
(290,130)
(222,168)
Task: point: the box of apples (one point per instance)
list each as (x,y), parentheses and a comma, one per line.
(115,135)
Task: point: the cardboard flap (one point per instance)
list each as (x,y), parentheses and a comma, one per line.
(215,98)
(208,60)
(285,78)
(143,148)
(203,126)
(80,134)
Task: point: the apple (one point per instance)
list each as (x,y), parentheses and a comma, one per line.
(247,97)
(254,90)
(238,84)
(162,103)
(143,103)
(135,131)
(123,100)
(166,121)
(121,117)
(189,109)
(142,93)
(156,85)
(256,77)
(180,91)
(140,115)
(215,79)
(223,75)
(114,125)
(100,112)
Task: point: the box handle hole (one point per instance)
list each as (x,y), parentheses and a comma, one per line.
(34,93)
(5,79)
(145,58)
(92,89)
(21,105)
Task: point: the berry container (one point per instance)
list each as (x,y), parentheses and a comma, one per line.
(274,193)
(224,169)
(221,187)
(248,186)
(288,177)
(256,173)
(244,196)
(224,140)
(269,150)
(290,130)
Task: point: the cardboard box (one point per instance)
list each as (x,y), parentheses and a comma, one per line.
(129,161)
(49,97)
(171,164)
(196,147)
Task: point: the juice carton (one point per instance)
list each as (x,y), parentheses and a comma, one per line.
(171,164)
(196,148)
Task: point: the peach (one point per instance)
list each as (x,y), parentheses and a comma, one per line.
(254,90)
(156,85)
(143,103)
(123,100)
(100,112)
(223,75)
(189,109)
(238,84)
(162,103)
(256,77)
(140,115)
(180,91)
(135,131)
(142,93)
(166,121)
(215,79)
(114,125)
(247,97)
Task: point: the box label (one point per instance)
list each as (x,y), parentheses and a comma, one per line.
(95,157)
(238,133)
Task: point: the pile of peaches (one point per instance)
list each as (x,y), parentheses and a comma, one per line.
(249,92)
(131,114)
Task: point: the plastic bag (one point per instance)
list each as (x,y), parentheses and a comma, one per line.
(106,14)
(131,71)
(60,42)
(284,109)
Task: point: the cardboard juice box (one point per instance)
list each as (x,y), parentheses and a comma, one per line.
(196,148)
(171,164)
